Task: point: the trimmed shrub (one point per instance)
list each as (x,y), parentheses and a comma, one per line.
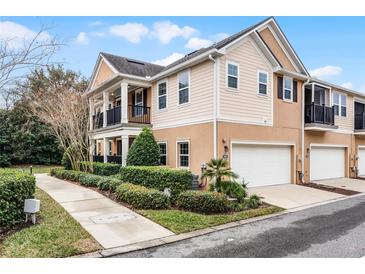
(144,150)
(88,179)
(15,187)
(109,183)
(253,201)
(203,201)
(141,197)
(69,175)
(176,180)
(103,169)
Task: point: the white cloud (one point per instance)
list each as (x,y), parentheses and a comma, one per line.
(95,23)
(165,31)
(219,36)
(98,34)
(348,85)
(326,71)
(169,59)
(197,43)
(16,35)
(133,32)
(82,38)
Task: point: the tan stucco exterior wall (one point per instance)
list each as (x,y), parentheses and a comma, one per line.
(200,137)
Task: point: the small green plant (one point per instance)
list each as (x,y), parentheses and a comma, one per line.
(92,180)
(144,150)
(234,190)
(109,183)
(103,169)
(253,201)
(141,197)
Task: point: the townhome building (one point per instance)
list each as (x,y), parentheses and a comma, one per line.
(248,99)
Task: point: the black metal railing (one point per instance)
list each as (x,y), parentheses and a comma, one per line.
(320,114)
(139,114)
(98,120)
(116,159)
(113,116)
(360,121)
(98,158)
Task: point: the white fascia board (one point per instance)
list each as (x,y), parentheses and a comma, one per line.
(315,80)
(291,74)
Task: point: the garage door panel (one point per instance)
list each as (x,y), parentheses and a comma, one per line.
(262,165)
(361,161)
(327,163)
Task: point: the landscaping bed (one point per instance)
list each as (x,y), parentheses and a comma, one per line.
(56,234)
(333,189)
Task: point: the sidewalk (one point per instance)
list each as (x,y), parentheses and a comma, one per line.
(110,223)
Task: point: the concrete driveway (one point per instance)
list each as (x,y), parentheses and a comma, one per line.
(290,196)
(345,183)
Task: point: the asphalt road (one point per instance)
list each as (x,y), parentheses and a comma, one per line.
(331,230)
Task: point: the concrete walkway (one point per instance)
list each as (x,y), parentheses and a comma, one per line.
(110,223)
(345,183)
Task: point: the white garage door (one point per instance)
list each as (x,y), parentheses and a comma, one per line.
(361,162)
(327,163)
(262,165)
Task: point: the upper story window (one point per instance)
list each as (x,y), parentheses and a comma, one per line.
(138,102)
(184,85)
(162,95)
(339,103)
(163,153)
(262,82)
(232,75)
(288,89)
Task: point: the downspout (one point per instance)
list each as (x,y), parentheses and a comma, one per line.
(302,129)
(215,101)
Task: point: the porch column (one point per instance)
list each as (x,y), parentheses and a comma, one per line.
(91,112)
(105,150)
(92,149)
(124,102)
(125,148)
(105,107)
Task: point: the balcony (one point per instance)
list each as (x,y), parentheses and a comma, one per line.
(113,116)
(116,159)
(98,120)
(319,117)
(139,114)
(98,158)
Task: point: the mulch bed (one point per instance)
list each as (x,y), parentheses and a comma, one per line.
(333,189)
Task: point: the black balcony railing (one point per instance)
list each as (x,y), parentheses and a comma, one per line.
(139,114)
(360,121)
(113,116)
(98,120)
(116,159)
(98,158)
(319,114)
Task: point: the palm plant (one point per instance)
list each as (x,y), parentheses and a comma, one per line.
(218,172)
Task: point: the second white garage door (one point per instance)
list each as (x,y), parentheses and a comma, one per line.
(327,163)
(262,165)
(361,161)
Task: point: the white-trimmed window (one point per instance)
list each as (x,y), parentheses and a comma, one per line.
(288,89)
(232,75)
(183,154)
(339,103)
(163,153)
(262,82)
(183,86)
(138,102)
(162,95)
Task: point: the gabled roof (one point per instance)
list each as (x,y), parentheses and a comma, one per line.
(130,66)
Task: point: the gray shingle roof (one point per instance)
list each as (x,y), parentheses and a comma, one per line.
(131,66)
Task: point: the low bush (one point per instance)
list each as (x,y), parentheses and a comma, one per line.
(234,190)
(109,183)
(253,201)
(141,197)
(203,201)
(103,169)
(69,175)
(176,180)
(15,187)
(88,179)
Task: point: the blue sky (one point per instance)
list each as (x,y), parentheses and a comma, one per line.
(334,47)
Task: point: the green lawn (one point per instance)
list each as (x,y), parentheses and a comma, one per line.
(35,168)
(57,235)
(180,221)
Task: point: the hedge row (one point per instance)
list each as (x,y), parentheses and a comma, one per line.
(87,179)
(141,197)
(176,180)
(15,187)
(103,169)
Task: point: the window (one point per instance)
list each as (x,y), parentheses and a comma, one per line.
(262,82)
(163,153)
(162,95)
(138,102)
(339,104)
(183,154)
(232,75)
(184,87)
(110,147)
(288,89)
